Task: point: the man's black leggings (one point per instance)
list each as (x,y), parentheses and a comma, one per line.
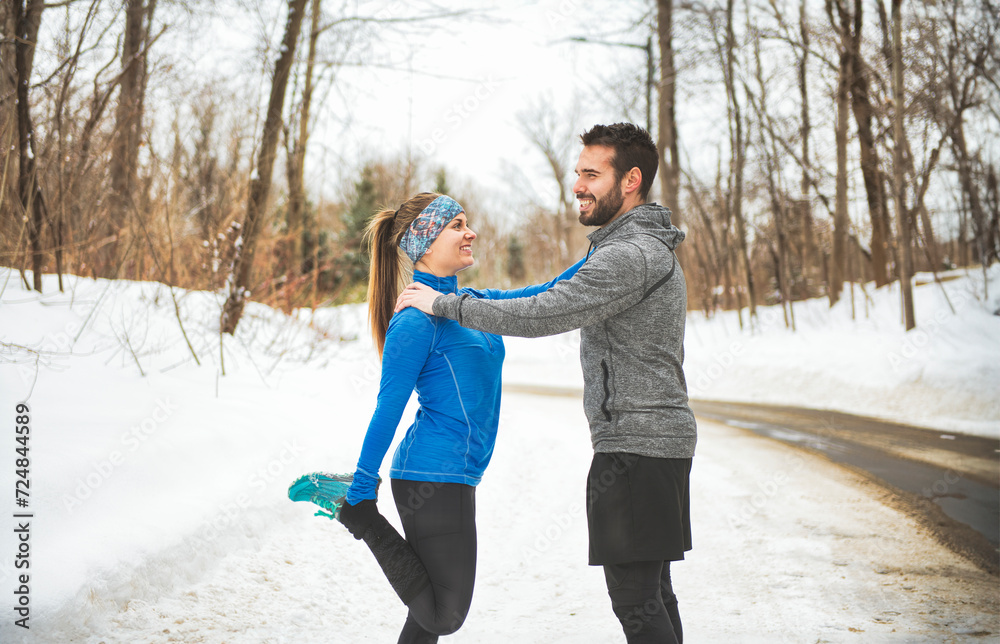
(439,521)
(642,597)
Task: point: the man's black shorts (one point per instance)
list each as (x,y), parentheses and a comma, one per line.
(638,508)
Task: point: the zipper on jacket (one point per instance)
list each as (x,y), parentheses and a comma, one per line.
(607,390)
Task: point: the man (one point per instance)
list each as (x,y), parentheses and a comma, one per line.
(629,300)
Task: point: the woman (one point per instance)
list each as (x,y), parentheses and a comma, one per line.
(441,459)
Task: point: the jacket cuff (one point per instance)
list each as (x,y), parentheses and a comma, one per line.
(364,486)
(447,306)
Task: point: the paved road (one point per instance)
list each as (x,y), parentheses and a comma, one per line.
(949,482)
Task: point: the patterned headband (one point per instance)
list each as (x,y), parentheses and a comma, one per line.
(428,225)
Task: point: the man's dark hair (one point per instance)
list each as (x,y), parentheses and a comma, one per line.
(633,147)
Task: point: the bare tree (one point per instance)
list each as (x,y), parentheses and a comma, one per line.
(66,200)
(920,179)
(8,123)
(552,134)
(800,226)
(969,44)
(847,21)
(738,146)
(898,169)
(779,203)
(28,19)
(804,207)
(667,136)
(710,254)
(260,184)
(82,143)
(128,120)
(838,265)
(297,142)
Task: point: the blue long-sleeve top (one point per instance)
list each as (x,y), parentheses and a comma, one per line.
(456,374)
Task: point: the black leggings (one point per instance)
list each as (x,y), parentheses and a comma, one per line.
(644,602)
(439,520)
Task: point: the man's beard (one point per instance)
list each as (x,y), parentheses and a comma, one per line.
(605,208)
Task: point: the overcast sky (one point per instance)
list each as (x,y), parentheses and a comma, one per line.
(459,106)
(456,86)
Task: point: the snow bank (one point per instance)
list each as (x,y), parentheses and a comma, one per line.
(857,357)
(147,468)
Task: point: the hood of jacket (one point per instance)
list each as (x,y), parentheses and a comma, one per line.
(647,218)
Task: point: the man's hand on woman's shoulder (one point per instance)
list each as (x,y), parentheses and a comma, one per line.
(419,296)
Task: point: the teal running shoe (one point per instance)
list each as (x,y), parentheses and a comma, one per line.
(326,490)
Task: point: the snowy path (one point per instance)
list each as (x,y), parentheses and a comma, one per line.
(788,548)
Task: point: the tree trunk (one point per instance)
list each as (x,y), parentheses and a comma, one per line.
(9,173)
(739,160)
(730,299)
(899,169)
(804,207)
(296,160)
(851,34)
(971,189)
(260,184)
(714,259)
(930,242)
(962,241)
(777,194)
(28,19)
(670,171)
(838,261)
(128,124)
(993,202)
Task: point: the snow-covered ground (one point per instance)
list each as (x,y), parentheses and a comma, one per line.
(158,484)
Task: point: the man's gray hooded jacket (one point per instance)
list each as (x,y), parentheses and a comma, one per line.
(629,299)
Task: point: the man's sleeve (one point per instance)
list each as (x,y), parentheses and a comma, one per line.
(609,282)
